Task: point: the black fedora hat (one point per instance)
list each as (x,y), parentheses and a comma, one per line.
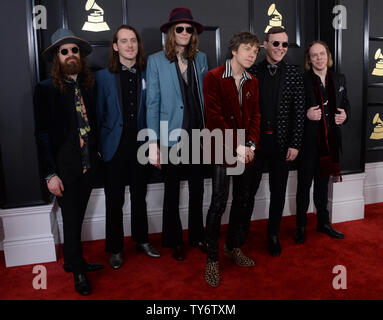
(179,15)
(63,36)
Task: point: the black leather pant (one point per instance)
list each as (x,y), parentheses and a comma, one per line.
(239,220)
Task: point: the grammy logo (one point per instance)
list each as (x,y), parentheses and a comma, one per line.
(377,134)
(378,70)
(95,21)
(275,18)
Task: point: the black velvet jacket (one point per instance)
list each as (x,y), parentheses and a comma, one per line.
(55,127)
(341,100)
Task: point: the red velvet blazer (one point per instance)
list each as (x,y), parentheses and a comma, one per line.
(222,108)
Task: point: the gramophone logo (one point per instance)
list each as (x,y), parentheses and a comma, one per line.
(95,21)
(275,18)
(378,70)
(377,134)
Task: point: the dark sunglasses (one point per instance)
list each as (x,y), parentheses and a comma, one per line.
(277,43)
(189,30)
(64,52)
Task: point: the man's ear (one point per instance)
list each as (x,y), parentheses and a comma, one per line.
(115,48)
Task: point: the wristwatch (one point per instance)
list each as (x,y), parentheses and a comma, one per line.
(251,144)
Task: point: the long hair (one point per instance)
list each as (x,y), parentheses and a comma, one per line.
(86,76)
(190,51)
(307,54)
(114,59)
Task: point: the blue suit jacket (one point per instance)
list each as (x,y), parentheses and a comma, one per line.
(109,110)
(164,98)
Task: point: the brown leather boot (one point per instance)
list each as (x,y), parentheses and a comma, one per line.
(238,257)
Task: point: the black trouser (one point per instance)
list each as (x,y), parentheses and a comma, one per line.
(122,169)
(309,169)
(269,153)
(171,221)
(73,206)
(239,220)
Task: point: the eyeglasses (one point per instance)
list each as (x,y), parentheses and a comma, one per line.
(189,30)
(74,50)
(277,43)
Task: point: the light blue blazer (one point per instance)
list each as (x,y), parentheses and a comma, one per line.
(164,101)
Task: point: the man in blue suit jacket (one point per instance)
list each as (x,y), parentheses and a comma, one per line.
(174,97)
(121,114)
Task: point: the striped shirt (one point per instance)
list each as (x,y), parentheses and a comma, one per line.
(229,73)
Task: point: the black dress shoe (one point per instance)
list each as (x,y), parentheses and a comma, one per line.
(299,235)
(89,267)
(330,231)
(179,253)
(199,245)
(148,249)
(274,246)
(81,284)
(116,260)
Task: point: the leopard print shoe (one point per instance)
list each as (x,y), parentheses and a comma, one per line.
(238,257)
(212,273)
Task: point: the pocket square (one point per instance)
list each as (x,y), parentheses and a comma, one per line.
(341,89)
(203,69)
(143,84)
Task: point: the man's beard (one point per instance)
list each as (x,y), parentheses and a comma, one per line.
(74,66)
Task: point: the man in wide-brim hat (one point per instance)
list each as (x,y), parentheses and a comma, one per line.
(174,94)
(65,36)
(65,130)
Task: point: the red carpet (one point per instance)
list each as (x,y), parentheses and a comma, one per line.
(301,272)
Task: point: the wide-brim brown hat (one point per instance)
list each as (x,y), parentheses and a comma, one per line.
(179,15)
(64,36)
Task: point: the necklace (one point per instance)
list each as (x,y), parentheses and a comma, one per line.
(272,69)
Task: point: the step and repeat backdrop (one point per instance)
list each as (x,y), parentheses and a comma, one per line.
(97,20)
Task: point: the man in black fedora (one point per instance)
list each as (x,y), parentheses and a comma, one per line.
(174,96)
(65,130)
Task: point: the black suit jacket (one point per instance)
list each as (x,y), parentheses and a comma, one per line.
(290,107)
(311,127)
(55,127)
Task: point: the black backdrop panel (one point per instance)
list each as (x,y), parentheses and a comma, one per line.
(376,13)
(350,63)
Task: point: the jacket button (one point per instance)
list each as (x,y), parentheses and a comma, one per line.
(181,107)
(231,117)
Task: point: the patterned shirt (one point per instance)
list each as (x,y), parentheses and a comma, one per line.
(229,73)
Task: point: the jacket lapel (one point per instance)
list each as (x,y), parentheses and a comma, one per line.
(229,86)
(281,86)
(119,94)
(174,76)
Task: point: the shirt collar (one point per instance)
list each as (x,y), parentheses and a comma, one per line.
(229,72)
(125,68)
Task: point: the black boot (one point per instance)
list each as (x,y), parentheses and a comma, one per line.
(330,231)
(300,235)
(81,284)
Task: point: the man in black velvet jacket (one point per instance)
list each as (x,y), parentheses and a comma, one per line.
(65,130)
(327,107)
